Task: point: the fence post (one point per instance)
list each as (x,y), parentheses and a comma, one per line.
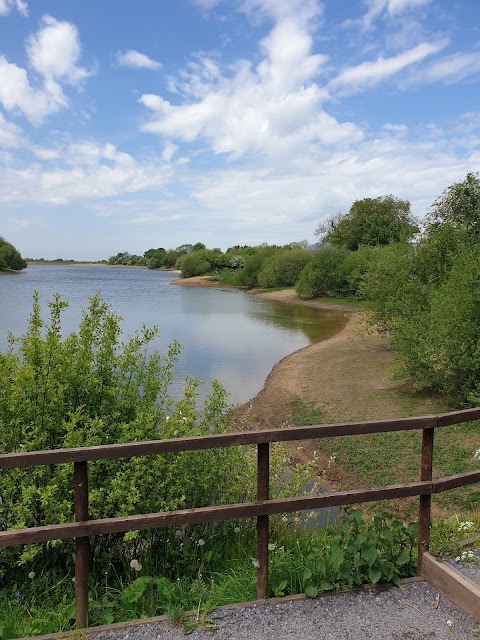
(81,546)
(425,501)
(263,480)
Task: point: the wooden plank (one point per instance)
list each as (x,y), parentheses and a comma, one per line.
(459,480)
(457,588)
(457,417)
(81,546)
(263,480)
(425,501)
(209,514)
(215,441)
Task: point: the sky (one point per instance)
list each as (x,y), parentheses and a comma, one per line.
(126,126)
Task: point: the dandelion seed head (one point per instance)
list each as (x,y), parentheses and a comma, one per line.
(272,546)
(201,542)
(237,530)
(32,575)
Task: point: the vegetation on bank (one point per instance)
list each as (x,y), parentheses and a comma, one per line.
(10,258)
(90,388)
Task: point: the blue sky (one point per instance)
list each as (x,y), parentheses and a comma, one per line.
(130,125)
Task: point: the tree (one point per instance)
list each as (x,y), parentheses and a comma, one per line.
(372,222)
(458,207)
(10,258)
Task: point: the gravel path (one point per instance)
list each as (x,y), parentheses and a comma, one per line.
(408,613)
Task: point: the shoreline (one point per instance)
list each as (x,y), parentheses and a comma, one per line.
(345,378)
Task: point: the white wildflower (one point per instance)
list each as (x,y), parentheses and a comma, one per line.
(255,563)
(477,454)
(135,565)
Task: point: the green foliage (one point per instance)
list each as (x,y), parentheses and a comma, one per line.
(372,222)
(325,274)
(193,264)
(10,258)
(248,276)
(90,389)
(283,268)
(220,569)
(127,259)
(459,207)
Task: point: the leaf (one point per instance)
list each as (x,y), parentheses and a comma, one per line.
(307,574)
(374,575)
(311,591)
(135,590)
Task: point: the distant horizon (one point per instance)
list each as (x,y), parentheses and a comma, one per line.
(126,127)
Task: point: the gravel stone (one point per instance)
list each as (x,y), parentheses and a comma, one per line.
(407,613)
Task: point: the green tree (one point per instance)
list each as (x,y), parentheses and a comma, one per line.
(459,207)
(10,258)
(371,221)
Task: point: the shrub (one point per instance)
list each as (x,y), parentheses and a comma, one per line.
(325,274)
(91,389)
(283,268)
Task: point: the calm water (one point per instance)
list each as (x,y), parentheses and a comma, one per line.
(226,334)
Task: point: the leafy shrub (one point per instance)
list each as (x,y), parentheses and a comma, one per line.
(91,389)
(283,268)
(325,274)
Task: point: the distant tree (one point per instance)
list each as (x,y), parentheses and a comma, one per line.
(371,222)
(10,258)
(184,248)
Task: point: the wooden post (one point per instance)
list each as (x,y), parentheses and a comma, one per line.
(263,479)
(81,546)
(425,501)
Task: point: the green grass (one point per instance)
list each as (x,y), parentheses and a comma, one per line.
(390,458)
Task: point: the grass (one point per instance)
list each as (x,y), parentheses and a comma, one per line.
(390,458)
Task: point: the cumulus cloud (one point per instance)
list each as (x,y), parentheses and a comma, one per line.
(53,52)
(137,60)
(7,5)
(273,107)
(368,74)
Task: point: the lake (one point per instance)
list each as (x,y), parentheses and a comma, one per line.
(227,334)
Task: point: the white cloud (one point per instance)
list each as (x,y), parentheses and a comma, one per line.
(17,95)
(7,5)
(271,109)
(10,133)
(53,52)
(137,60)
(451,68)
(377,8)
(368,74)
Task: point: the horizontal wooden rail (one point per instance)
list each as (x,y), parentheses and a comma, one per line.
(216,441)
(232,511)
(83,528)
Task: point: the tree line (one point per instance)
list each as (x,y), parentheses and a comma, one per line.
(422,284)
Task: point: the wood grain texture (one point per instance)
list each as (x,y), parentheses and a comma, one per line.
(458,589)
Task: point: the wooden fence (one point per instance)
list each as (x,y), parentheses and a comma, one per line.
(82,528)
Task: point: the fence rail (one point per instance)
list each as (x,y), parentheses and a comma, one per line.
(261,509)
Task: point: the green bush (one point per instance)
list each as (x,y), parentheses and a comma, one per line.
(325,274)
(283,268)
(90,388)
